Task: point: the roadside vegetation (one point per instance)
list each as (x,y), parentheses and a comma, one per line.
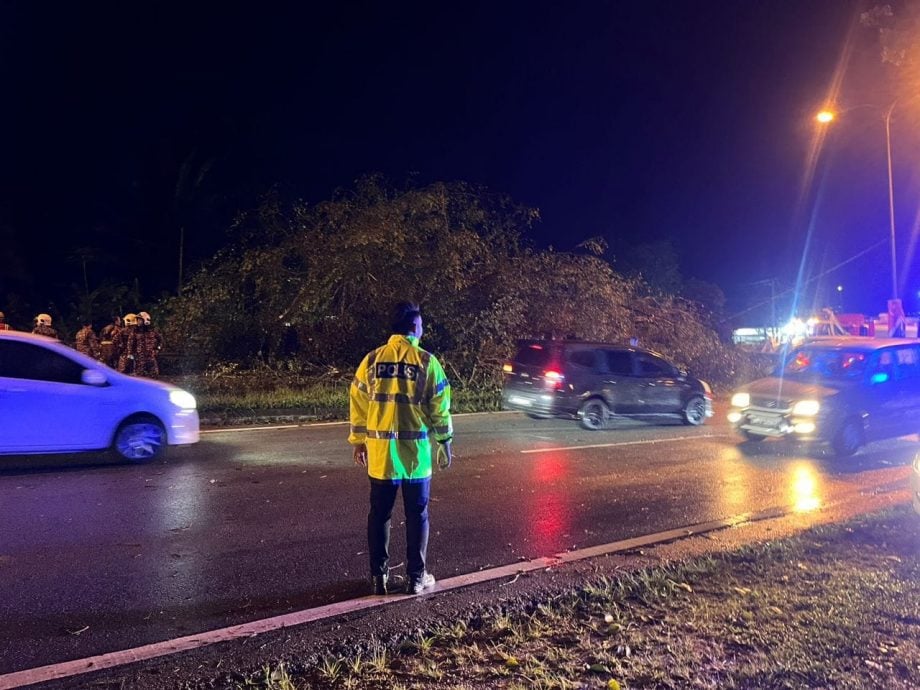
(302,292)
(231,391)
(836,607)
(304,289)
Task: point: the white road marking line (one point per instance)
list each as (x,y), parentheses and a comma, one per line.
(626,443)
(158,649)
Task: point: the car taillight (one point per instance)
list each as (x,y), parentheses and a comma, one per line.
(553,379)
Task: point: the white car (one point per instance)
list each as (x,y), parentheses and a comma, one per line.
(55,400)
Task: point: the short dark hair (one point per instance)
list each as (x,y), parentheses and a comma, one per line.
(403,317)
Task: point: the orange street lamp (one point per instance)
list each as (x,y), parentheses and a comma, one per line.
(824,117)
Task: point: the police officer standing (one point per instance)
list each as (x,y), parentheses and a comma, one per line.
(399,400)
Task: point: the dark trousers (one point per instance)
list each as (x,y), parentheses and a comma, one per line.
(415,493)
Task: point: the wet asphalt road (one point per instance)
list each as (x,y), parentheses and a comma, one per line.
(96,557)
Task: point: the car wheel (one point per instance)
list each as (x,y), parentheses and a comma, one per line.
(593,414)
(848,439)
(695,411)
(753,438)
(140,439)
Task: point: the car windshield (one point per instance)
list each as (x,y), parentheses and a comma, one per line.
(825,364)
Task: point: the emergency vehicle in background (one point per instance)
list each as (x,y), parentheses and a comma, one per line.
(826,323)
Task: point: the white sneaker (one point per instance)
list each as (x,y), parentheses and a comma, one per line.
(426,581)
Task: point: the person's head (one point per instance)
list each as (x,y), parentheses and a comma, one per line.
(2,317)
(407,319)
(130,320)
(143,318)
(43,320)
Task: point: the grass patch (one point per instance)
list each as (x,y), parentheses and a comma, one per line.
(324,395)
(836,607)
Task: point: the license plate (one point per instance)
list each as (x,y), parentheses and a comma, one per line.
(518,400)
(760,420)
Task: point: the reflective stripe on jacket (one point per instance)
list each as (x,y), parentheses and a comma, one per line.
(399,401)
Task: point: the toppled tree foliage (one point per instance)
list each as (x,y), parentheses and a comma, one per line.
(314,285)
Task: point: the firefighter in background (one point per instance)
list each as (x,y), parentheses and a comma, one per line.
(43,326)
(147,343)
(109,336)
(4,326)
(125,343)
(86,341)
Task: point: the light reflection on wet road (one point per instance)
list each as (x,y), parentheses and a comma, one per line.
(257,523)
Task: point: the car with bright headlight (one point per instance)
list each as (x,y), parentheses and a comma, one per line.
(54,399)
(595,382)
(845,392)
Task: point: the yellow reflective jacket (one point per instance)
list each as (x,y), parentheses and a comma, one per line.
(399,399)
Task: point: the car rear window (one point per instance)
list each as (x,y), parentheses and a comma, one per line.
(533,356)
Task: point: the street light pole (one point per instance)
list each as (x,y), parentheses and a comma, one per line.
(894,262)
(827,116)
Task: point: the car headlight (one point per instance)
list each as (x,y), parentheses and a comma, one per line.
(806,408)
(183,399)
(741,399)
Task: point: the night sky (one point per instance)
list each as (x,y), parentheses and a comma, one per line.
(637,121)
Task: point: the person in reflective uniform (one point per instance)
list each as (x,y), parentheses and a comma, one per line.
(43,326)
(86,341)
(399,402)
(109,337)
(125,343)
(146,345)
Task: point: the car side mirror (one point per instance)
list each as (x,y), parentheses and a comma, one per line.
(93,377)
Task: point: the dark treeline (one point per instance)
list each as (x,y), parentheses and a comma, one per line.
(312,284)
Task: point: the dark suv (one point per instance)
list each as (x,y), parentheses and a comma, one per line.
(843,391)
(592,381)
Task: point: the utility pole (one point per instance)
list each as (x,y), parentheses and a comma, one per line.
(773,305)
